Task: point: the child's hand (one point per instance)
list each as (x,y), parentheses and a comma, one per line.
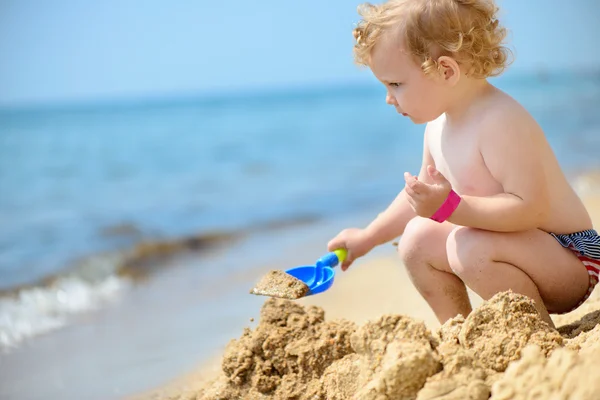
(425,199)
(356,241)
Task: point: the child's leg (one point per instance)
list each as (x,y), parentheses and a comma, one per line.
(531,263)
(422,248)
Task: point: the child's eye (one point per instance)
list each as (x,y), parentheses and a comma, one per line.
(395,84)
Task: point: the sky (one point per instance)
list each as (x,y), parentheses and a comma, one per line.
(64,51)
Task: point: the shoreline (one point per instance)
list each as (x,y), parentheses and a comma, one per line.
(357,297)
(158,330)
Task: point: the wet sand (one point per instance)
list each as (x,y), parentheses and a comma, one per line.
(374,303)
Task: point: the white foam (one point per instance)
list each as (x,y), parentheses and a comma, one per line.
(39,310)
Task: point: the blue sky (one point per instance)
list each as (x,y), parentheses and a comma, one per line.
(70,50)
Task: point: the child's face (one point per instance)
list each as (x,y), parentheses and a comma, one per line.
(420,97)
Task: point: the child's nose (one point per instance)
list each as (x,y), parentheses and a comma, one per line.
(391,100)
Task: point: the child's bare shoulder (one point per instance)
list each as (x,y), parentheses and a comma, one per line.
(501,117)
(499,105)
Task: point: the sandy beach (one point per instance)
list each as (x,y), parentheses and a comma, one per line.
(374,302)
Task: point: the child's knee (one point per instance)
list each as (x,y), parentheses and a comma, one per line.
(467,250)
(416,241)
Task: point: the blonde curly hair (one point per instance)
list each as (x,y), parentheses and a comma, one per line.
(467,30)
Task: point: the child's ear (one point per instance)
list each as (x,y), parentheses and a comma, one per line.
(449,69)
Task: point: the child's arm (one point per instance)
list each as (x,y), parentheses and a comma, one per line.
(509,150)
(387,226)
(391,223)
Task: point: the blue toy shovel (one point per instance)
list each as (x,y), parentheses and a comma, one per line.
(319,277)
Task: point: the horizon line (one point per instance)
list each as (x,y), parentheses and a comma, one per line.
(158,99)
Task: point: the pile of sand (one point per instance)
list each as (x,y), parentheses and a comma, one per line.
(501,350)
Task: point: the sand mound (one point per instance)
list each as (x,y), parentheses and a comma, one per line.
(474,350)
(498,330)
(502,349)
(396,356)
(285,356)
(564,375)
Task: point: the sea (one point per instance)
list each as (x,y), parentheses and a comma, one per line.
(84,186)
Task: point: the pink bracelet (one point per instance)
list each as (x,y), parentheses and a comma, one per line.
(447,208)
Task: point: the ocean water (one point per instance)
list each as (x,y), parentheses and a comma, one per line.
(80,183)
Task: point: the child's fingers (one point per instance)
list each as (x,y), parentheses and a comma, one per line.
(431,170)
(419,187)
(347,263)
(336,243)
(416,191)
(412,182)
(412,201)
(332,246)
(408,177)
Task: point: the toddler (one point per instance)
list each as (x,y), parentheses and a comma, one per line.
(490,207)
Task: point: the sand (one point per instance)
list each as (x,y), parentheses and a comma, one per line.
(371,336)
(502,350)
(277,283)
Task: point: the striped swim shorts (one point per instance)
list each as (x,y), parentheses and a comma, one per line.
(586,246)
